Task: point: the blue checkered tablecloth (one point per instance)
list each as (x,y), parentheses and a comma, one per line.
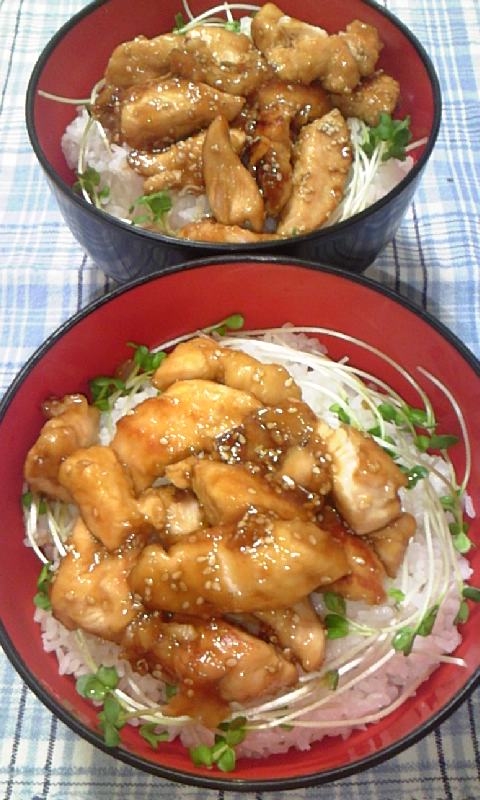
(45,277)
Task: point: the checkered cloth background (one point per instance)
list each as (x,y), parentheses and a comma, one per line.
(45,277)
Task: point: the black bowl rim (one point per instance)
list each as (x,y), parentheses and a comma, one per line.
(159,238)
(219,783)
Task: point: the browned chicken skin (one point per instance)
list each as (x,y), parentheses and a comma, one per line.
(212,662)
(71,424)
(161,112)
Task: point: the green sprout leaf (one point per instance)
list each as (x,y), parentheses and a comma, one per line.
(471,593)
(147,360)
(414,475)
(426,625)
(42,597)
(335,602)
(99,686)
(331,678)
(233,25)
(342,415)
(88,182)
(337,626)
(234,322)
(101,389)
(156,206)
(403,640)
(150,734)
(396,594)
(222,753)
(391,135)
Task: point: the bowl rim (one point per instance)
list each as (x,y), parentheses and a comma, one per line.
(99,214)
(171,773)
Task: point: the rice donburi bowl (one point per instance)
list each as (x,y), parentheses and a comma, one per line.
(223,556)
(357,644)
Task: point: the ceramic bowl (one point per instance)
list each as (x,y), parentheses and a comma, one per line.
(268,293)
(75,59)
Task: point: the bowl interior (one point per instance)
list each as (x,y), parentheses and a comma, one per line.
(152,311)
(71,64)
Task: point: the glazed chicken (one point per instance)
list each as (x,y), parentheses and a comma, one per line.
(298,630)
(140,60)
(103,492)
(186,418)
(204,358)
(226,492)
(90,589)
(391,541)
(257,564)
(373,96)
(207,230)
(300,52)
(204,527)
(322,160)
(232,192)
(365,479)
(180,165)
(243,124)
(212,663)
(224,59)
(161,112)
(71,423)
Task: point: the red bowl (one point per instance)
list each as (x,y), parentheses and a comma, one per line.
(124,251)
(153,310)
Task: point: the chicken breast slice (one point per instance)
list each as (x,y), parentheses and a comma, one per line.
(257,564)
(140,60)
(90,590)
(232,192)
(185,419)
(205,358)
(390,543)
(71,423)
(103,492)
(226,492)
(366,480)
(211,662)
(322,161)
(299,631)
(179,166)
(161,112)
(207,230)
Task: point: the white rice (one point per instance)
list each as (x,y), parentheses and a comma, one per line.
(383,677)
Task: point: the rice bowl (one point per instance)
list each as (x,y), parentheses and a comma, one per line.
(372,676)
(446,686)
